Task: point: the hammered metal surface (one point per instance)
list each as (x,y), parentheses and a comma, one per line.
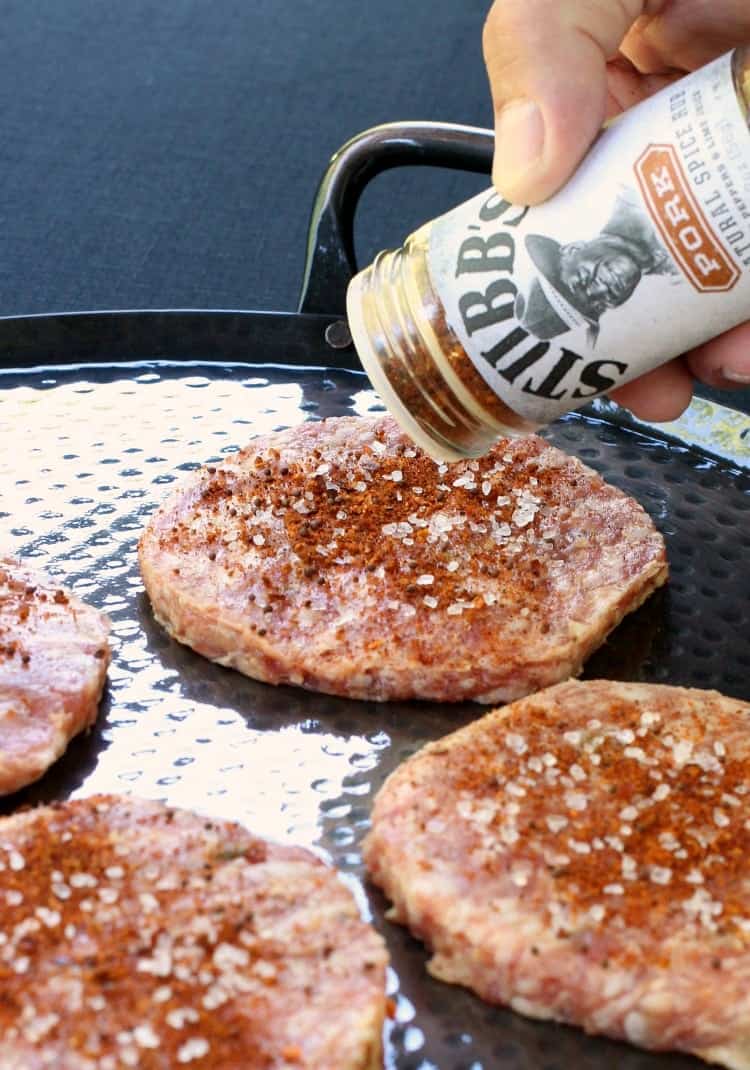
(87,455)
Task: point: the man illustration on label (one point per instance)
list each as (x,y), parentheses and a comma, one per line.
(579,281)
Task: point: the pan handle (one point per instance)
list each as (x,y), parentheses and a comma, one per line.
(330,262)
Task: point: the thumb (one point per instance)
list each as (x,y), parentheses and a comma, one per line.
(547,66)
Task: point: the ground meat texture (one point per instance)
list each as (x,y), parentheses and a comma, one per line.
(54,653)
(135,935)
(584,855)
(339,557)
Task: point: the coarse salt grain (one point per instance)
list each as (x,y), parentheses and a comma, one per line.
(82,880)
(228,957)
(660,874)
(668,841)
(39,1027)
(556,822)
(179,1017)
(402,528)
(682,751)
(629,867)
(196,1047)
(50,918)
(430,601)
(576,800)
(523,515)
(425,580)
(145,1037)
(516,743)
(215,997)
(259,539)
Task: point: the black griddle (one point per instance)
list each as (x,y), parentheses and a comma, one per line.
(100,415)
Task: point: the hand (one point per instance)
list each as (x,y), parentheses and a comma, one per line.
(558,69)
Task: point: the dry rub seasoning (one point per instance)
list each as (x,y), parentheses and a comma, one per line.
(495,318)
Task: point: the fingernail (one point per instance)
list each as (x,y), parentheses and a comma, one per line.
(519,141)
(734,375)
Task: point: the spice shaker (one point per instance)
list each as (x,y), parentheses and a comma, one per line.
(495,318)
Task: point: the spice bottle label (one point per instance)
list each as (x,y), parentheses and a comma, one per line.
(643,255)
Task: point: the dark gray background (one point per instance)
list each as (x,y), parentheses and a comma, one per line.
(165,154)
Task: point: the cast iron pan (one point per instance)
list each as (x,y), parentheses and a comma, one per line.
(101,413)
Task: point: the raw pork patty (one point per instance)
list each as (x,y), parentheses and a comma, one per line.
(139,936)
(54,654)
(584,855)
(338,557)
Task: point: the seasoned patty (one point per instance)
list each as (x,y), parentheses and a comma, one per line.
(584,855)
(54,653)
(338,557)
(135,935)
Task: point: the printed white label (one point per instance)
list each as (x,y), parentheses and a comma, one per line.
(643,255)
